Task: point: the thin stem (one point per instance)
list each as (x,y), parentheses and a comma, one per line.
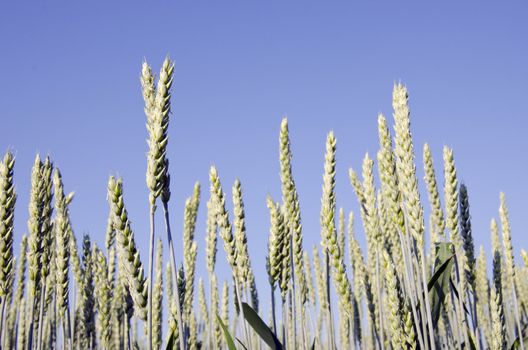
(303,326)
(175,276)
(72,311)
(66,331)
(458,330)
(41,317)
(126,331)
(211,341)
(284,323)
(294,299)
(2,330)
(273,317)
(427,303)
(476,328)
(408,286)
(330,318)
(248,298)
(421,293)
(517,317)
(380,311)
(462,312)
(150,275)
(352,331)
(31,306)
(242,318)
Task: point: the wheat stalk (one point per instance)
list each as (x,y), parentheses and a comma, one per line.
(293,220)
(413,212)
(157,109)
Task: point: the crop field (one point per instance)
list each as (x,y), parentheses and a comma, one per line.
(419,283)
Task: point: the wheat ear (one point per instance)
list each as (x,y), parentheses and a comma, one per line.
(210,256)
(498,339)
(239,224)
(35,243)
(510,263)
(62,236)
(389,186)
(16,308)
(222,218)
(432,189)
(483,295)
(190,248)
(203,307)
(7,212)
(102,296)
(276,240)
(128,253)
(395,303)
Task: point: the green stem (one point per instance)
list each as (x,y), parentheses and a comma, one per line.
(273,318)
(211,342)
(427,303)
(66,335)
(150,276)
(31,305)
(516,311)
(242,319)
(175,276)
(413,252)
(211,336)
(409,286)
(284,323)
(380,310)
(41,317)
(458,326)
(331,343)
(2,330)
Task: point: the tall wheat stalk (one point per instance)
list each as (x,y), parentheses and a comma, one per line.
(157,109)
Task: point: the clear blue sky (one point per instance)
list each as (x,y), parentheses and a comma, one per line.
(70,88)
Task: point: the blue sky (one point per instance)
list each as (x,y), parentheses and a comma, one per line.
(70,88)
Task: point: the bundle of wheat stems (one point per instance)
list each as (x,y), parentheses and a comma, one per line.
(399,294)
